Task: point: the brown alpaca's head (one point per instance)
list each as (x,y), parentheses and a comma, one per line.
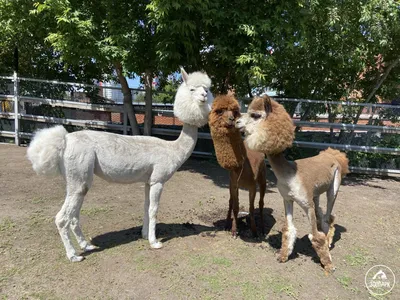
(225,111)
(267,125)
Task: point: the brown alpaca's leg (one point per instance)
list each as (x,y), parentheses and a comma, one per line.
(229,216)
(319,242)
(288,233)
(263,186)
(234,191)
(252,197)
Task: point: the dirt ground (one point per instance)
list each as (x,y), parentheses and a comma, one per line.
(199,260)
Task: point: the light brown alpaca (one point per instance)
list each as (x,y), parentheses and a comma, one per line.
(269,129)
(246,167)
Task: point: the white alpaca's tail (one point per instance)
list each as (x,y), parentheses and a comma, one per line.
(46,149)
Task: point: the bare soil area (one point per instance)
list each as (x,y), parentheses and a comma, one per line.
(199,260)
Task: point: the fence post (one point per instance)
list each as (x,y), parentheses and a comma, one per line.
(125,122)
(16,108)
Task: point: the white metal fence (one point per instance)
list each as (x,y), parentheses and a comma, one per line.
(18,114)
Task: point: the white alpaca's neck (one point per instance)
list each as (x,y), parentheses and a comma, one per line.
(186,142)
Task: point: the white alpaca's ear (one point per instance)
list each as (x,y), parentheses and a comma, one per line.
(184,75)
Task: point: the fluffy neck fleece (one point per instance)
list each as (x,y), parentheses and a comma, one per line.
(229,147)
(189,110)
(228,143)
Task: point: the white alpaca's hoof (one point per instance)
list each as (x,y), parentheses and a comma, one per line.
(76,258)
(156,245)
(310,237)
(90,247)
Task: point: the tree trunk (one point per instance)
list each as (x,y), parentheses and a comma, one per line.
(148,113)
(249,87)
(331,119)
(128,106)
(372,94)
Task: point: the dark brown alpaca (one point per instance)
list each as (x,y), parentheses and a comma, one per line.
(246,167)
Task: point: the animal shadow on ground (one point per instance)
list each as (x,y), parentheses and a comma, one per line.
(244,225)
(210,169)
(303,246)
(165,232)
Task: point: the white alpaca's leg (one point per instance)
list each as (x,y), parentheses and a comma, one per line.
(83,243)
(155,193)
(288,232)
(63,222)
(76,229)
(79,178)
(145,228)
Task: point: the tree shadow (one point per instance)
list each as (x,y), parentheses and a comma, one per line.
(243,226)
(303,245)
(367,180)
(164,232)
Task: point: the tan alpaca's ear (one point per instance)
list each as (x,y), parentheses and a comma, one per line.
(184,74)
(267,105)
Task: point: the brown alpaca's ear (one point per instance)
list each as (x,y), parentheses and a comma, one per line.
(267,105)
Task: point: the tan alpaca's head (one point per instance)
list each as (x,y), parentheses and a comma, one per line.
(225,111)
(267,126)
(193,98)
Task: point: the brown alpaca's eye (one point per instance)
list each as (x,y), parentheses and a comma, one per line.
(236,113)
(219,111)
(255,116)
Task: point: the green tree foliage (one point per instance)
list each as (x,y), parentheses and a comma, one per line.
(304,48)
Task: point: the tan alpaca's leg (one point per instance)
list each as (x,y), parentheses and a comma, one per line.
(331,195)
(288,233)
(318,213)
(331,232)
(252,197)
(319,242)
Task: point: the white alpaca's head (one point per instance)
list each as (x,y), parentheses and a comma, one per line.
(193,99)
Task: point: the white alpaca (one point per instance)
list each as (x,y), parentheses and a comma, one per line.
(118,158)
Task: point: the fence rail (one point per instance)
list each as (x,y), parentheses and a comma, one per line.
(118,108)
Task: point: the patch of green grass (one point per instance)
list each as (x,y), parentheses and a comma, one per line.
(199,261)
(282,286)
(6,274)
(38,200)
(7,224)
(222,261)
(379,297)
(41,295)
(358,258)
(37,220)
(345,281)
(251,291)
(213,281)
(90,212)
